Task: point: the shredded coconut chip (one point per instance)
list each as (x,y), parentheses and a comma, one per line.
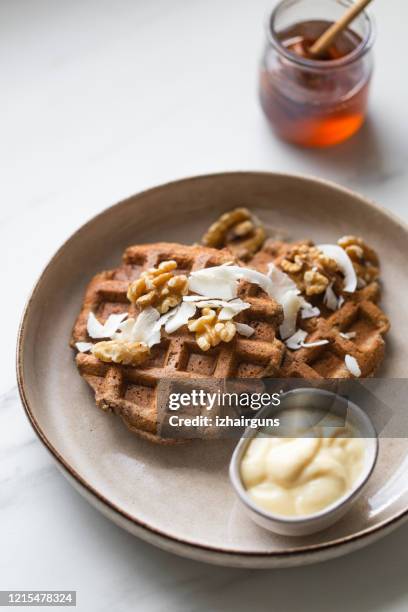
(143,329)
(313,344)
(352,365)
(309,312)
(97,330)
(216,282)
(124,330)
(179,317)
(232,309)
(84,347)
(344,263)
(348,335)
(244,330)
(228,309)
(286,293)
(295,341)
(291,304)
(330,298)
(222,282)
(198,298)
(282,282)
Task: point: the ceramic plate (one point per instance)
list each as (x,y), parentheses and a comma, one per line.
(180,498)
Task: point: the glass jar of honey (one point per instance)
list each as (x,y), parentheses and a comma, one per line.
(315,102)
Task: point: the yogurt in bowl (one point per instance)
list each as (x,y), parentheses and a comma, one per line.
(310,475)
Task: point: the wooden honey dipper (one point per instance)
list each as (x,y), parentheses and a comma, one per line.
(321,45)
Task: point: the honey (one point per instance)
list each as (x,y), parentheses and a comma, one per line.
(309,102)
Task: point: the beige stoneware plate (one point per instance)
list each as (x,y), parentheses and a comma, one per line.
(180,498)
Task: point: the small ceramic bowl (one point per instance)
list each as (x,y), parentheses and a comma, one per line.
(328,403)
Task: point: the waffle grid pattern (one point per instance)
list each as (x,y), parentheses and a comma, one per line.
(359,314)
(131,391)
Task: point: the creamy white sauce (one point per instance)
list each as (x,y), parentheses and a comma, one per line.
(301,476)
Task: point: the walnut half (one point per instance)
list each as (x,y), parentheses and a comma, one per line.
(315,282)
(365,259)
(237,230)
(115,351)
(159,287)
(309,268)
(210,331)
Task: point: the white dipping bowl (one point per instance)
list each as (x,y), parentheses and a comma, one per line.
(310,523)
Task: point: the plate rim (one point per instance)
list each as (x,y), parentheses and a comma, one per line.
(182,545)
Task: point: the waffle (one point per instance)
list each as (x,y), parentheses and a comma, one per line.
(131,392)
(359,313)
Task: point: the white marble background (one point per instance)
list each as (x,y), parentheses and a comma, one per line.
(102,98)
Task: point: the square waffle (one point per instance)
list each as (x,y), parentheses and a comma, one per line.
(359,313)
(131,392)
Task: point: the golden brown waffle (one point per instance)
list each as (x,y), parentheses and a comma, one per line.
(359,313)
(131,392)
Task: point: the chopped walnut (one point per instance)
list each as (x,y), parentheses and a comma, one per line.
(239,231)
(309,268)
(365,259)
(159,287)
(294,266)
(128,353)
(315,283)
(210,331)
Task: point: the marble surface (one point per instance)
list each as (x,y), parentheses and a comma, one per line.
(102,98)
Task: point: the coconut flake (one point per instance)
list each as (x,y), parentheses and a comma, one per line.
(309,312)
(143,329)
(167,316)
(216,282)
(124,332)
(94,328)
(84,347)
(197,298)
(113,322)
(352,365)
(228,309)
(147,327)
(295,341)
(330,298)
(226,314)
(313,344)
(256,278)
(348,335)
(152,338)
(281,281)
(344,263)
(291,304)
(209,303)
(244,330)
(286,293)
(237,304)
(222,282)
(232,309)
(97,330)
(180,315)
